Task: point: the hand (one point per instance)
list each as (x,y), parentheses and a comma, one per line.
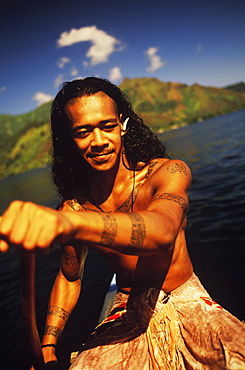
(32,226)
(50,358)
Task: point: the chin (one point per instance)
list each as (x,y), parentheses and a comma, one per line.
(102,167)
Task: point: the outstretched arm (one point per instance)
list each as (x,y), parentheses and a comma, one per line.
(148,231)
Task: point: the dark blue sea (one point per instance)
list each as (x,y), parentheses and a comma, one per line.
(215,151)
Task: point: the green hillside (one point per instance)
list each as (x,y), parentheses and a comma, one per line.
(239,87)
(165,105)
(15,132)
(25,139)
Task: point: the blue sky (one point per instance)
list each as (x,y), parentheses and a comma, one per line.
(44,43)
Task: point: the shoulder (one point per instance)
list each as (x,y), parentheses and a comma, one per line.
(172,171)
(175,166)
(171,165)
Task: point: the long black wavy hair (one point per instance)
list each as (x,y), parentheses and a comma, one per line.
(140,143)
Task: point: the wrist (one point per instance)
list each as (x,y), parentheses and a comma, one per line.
(49,345)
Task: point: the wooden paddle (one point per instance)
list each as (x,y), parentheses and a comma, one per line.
(28,308)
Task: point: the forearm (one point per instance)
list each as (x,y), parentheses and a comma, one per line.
(138,233)
(63,299)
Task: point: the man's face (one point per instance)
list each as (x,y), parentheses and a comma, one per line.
(96,129)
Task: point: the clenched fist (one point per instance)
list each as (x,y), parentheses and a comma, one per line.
(31,226)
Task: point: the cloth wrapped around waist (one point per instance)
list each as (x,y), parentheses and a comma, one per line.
(185,329)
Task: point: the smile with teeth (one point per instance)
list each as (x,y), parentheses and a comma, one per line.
(99,155)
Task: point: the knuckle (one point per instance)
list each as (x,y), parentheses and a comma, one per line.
(27,206)
(52,220)
(15,205)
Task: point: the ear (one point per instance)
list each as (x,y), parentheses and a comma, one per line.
(125,123)
(124,126)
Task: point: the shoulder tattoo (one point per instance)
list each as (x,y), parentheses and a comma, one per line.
(177,167)
(69,259)
(172,197)
(59,312)
(137,235)
(110,229)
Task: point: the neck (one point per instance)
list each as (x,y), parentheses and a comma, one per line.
(102,183)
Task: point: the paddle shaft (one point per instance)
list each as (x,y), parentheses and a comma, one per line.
(28,308)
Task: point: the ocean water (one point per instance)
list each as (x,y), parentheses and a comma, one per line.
(215,151)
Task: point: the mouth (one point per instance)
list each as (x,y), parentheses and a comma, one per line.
(99,156)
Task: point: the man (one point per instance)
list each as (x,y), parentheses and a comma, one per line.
(123,197)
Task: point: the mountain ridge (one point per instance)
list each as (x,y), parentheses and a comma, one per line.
(25,139)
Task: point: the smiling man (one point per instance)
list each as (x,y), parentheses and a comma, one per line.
(122,196)
(96,130)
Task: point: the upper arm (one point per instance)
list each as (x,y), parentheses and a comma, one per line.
(73,261)
(170,184)
(73,255)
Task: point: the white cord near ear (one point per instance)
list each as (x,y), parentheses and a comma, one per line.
(125,123)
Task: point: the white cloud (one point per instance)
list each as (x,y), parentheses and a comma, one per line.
(63,61)
(2,89)
(58,81)
(103,45)
(85,64)
(115,74)
(74,72)
(42,98)
(155,60)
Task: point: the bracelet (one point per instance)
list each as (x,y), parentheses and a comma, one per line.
(49,345)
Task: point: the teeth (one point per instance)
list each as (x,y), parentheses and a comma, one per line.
(99,155)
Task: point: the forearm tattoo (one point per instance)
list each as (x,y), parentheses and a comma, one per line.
(110,229)
(52,330)
(176,167)
(173,197)
(59,312)
(137,235)
(69,259)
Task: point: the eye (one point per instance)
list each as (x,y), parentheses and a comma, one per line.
(82,134)
(110,127)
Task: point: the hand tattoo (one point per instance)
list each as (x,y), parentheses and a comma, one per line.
(110,229)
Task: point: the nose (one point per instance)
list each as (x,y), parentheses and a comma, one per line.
(98,139)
